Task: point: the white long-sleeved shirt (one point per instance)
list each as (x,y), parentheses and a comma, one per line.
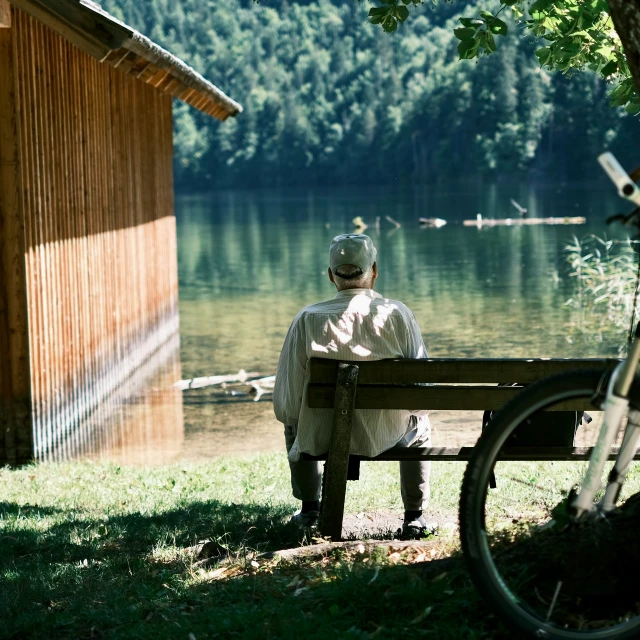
(358,324)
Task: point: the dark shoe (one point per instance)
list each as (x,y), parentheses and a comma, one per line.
(305,519)
(416,528)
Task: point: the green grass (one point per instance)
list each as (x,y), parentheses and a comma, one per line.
(94,550)
(100,551)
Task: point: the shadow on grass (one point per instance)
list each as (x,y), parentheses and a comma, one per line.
(238,526)
(13,510)
(62,576)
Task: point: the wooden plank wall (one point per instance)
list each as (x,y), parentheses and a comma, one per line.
(97,203)
(15,399)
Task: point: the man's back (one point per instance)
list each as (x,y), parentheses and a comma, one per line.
(357,324)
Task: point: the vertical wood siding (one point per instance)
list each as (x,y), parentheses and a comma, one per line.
(15,399)
(100,238)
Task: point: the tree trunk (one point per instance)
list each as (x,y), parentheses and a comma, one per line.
(626,19)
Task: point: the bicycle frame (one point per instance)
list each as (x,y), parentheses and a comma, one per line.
(616,405)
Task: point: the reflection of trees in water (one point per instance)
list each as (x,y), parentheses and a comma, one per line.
(249,261)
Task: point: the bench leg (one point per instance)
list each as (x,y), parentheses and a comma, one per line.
(334,487)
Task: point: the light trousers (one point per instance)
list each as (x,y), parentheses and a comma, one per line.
(306,475)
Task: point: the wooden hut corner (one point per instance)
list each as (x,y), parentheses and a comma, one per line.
(88,255)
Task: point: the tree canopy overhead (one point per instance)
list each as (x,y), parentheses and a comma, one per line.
(572,35)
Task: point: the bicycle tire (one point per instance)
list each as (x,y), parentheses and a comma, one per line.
(474,538)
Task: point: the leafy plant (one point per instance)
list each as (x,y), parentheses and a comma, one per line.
(605,279)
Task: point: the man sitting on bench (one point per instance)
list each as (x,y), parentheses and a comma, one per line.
(357,324)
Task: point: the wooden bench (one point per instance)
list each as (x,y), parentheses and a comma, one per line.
(399,384)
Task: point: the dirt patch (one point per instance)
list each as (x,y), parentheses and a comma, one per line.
(247,428)
(387,525)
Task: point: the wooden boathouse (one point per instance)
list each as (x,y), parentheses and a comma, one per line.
(88,267)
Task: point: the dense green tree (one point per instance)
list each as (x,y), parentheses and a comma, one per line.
(330,100)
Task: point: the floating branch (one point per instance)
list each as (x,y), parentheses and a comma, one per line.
(392,221)
(261,387)
(208,381)
(432,222)
(508,222)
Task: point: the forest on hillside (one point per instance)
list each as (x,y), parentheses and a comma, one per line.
(330,99)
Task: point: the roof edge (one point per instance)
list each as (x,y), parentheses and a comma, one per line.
(89,27)
(189,77)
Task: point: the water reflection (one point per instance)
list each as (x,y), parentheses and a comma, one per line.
(142,421)
(249,262)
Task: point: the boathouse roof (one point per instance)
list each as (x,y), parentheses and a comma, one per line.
(85,24)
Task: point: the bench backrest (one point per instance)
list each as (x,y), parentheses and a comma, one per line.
(399,383)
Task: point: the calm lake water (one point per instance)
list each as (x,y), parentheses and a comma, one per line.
(249,261)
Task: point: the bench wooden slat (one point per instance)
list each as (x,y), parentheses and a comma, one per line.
(452,370)
(453,397)
(462,454)
(335,480)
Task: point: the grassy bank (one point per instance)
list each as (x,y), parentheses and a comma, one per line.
(92,550)
(99,551)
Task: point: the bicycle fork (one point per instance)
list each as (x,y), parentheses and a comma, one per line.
(623,462)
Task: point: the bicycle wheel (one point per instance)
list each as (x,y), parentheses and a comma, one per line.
(544,580)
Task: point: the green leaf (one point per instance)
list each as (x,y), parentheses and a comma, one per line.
(487,15)
(468,49)
(378,11)
(402,13)
(609,69)
(633,108)
(544,55)
(622,93)
(390,24)
(490,43)
(499,26)
(464,33)
(540,6)
(471,22)
(376,19)
(605,52)
(581,34)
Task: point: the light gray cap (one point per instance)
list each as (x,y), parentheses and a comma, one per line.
(352,248)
